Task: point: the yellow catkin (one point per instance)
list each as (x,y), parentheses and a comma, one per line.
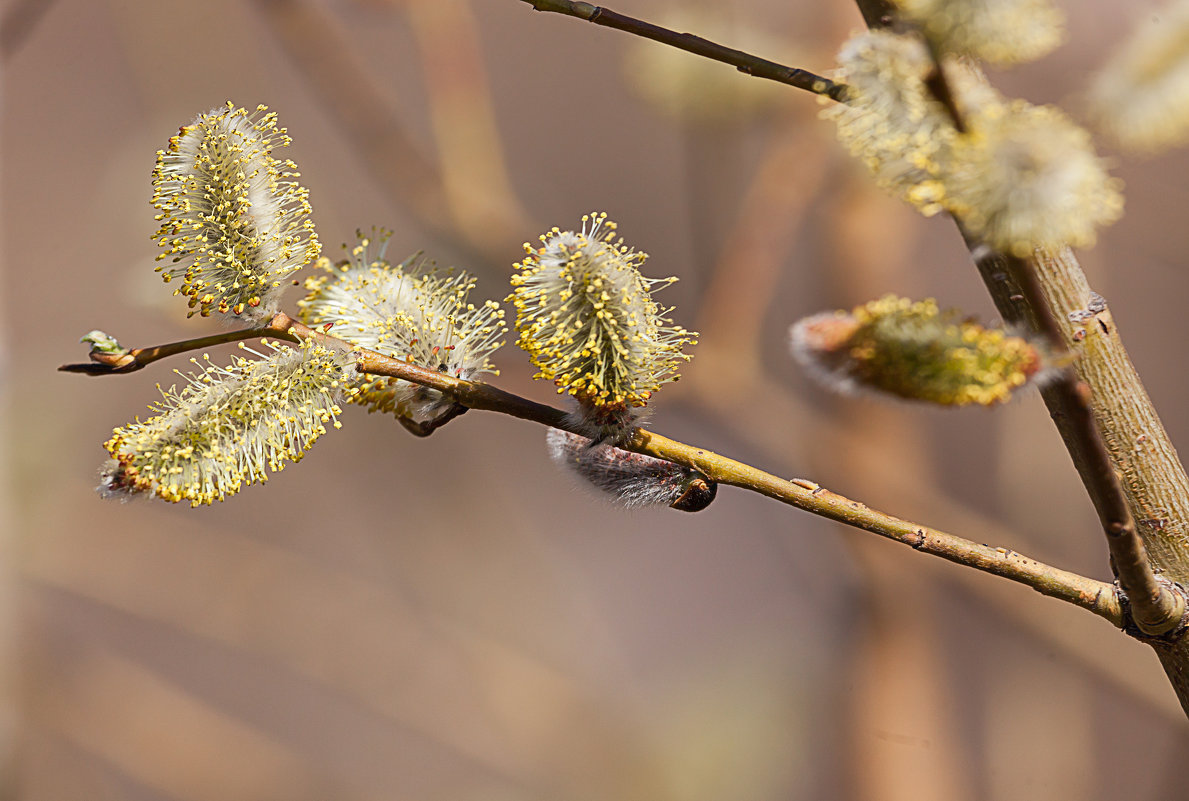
(1026,176)
(999,31)
(406,311)
(891,123)
(234,221)
(1140,97)
(587,319)
(915,351)
(229,426)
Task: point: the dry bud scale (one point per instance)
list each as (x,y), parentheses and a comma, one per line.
(233,219)
(587,319)
(632,480)
(914,351)
(230,425)
(410,312)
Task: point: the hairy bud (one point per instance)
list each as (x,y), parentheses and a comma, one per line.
(410,312)
(633,480)
(587,319)
(228,426)
(233,219)
(914,351)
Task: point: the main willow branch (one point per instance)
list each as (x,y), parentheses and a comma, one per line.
(1095,596)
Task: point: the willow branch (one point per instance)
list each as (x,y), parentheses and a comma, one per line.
(1156,606)
(744,62)
(1094,596)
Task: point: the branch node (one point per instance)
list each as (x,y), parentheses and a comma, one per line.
(1170,626)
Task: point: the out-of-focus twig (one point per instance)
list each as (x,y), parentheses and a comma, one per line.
(313,39)
(744,62)
(470,156)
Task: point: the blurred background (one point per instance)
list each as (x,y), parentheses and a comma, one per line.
(451,618)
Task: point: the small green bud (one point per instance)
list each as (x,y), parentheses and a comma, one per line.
(104,343)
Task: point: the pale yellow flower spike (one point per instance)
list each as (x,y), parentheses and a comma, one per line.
(230,426)
(587,319)
(1141,96)
(891,123)
(406,311)
(234,221)
(915,351)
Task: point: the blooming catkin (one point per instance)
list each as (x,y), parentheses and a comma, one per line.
(1140,98)
(587,319)
(233,219)
(1026,176)
(914,351)
(229,426)
(409,312)
(891,123)
(633,480)
(999,31)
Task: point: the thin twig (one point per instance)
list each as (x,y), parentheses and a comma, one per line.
(1090,594)
(744,62)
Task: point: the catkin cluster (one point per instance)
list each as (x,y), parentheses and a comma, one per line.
(588,321)
(1018,177)
(229,426)
(234,221)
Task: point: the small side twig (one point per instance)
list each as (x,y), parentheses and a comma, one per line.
(1095,596)
(744,62)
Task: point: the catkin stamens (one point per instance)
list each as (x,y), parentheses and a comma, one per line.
(230,426)
(407,311)
(234,222)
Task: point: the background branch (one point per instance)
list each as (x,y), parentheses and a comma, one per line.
(744,62)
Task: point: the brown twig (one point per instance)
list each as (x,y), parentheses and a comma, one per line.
(744,62)
(1090,594)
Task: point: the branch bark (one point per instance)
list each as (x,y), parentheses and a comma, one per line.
(1094,596)
(1110,428)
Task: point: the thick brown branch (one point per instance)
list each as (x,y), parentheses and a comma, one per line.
(1105,417)
(744,62)
(1155,606)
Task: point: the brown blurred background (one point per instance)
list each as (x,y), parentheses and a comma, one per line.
(450,618)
